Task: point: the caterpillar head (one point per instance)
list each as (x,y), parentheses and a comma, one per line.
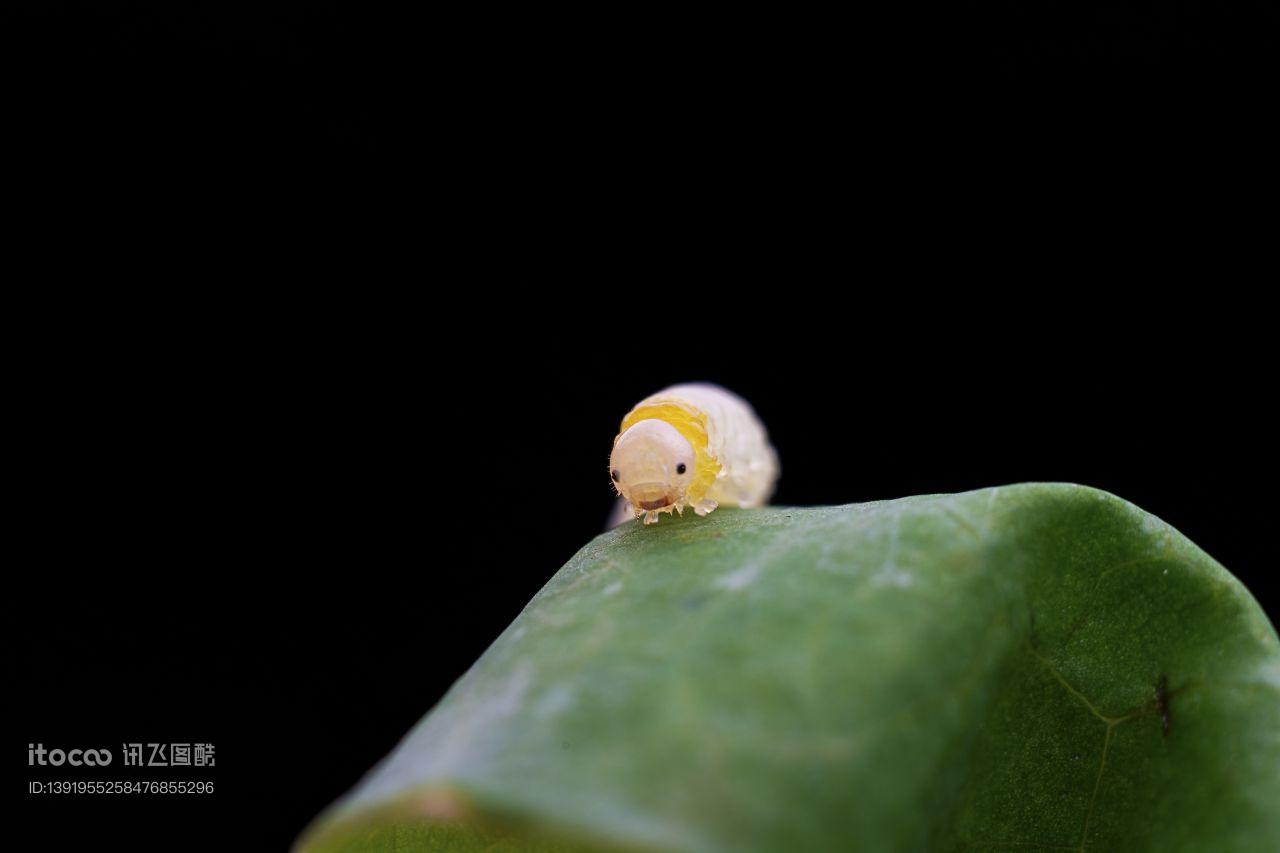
(652,466)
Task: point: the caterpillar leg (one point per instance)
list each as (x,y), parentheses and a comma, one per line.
(704,506)
(622,513)
(650,517)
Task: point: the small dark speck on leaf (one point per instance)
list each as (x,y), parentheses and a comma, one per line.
(1162,704)
(564,744)
(693,602)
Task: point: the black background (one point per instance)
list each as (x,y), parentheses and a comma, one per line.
(246,545)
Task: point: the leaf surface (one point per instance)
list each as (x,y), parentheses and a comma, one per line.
(1039,666)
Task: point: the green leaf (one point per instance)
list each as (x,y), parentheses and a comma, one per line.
(1034,666)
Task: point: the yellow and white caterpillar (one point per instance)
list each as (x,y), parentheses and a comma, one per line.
(692,445)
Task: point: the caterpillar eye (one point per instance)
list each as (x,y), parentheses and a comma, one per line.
(614,473)
(680,469)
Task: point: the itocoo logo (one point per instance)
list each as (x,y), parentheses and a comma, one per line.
(75,757)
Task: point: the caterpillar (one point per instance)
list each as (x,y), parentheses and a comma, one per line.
(695,445)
